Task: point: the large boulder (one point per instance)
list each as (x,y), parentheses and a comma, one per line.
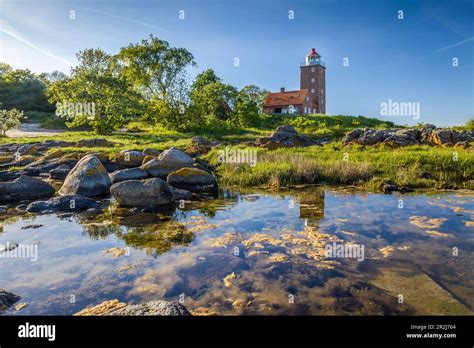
(403,137)
(169,161)
(193,180)
(142,193)
(88,178)
(176,157)
(128,174)
(151,152)
(373,136)
(7,299)
(152,308)
(62,204)
(24,188)
(130,158)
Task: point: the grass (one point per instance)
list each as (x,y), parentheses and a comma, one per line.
(414,166)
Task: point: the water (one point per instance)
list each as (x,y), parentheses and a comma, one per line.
(254,254)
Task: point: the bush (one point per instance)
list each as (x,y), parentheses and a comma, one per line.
(9,119)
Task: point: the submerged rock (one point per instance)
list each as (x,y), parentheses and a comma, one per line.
(152,308)
(142,193)
(62,204)
(24,188)
(88,178)
(193,179)
(7,299)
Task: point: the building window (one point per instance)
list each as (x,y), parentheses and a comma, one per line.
(312,70)
(314,110)
(312,80)
(312,90)
(307,98)
(305,110)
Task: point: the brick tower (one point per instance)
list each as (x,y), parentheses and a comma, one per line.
(313,78)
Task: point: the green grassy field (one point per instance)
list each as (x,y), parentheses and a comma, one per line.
(413,166)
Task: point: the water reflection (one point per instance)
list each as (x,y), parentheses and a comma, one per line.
(254,253)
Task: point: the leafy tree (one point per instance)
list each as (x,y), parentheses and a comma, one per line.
(9,119)
(211,97)
(96,83)
(158,72)
(249,105)
(22,89)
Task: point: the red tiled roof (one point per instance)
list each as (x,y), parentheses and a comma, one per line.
(286,98)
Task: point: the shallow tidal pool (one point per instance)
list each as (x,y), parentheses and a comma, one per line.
(253,254)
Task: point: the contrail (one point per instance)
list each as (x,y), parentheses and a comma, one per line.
(454,45)
(112,15)
(7,30)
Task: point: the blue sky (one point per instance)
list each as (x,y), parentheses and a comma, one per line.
(408,60)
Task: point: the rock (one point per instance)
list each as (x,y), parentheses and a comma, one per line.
(25,188)
(129,158)
(103,157)
(179,194)
(403,137)
(142,193)
(27,149)
(3,209)
(284,136)
(88,178)
(175,157)
(96,142)
(128,174)
(286,129)
(152,308)
(169,161)
(7,299)
(151,152)
(192,179)
(352,136)
(199,146)
(60,172)
(53,153)
(372,136)
(148,159)
(62,204)
(8,175)
(389,188)
(462,145)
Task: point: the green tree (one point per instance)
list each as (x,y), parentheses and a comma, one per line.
(96,83)
(22,89)
(9,119)
(211,97)
(158,72)
(249,105)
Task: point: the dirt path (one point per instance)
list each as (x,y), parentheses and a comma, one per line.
(30,130)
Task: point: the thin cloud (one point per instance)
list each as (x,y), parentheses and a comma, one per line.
(454,45)
(4,28)
(131,20)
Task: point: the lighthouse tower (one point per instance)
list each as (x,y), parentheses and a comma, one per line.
(313,79)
